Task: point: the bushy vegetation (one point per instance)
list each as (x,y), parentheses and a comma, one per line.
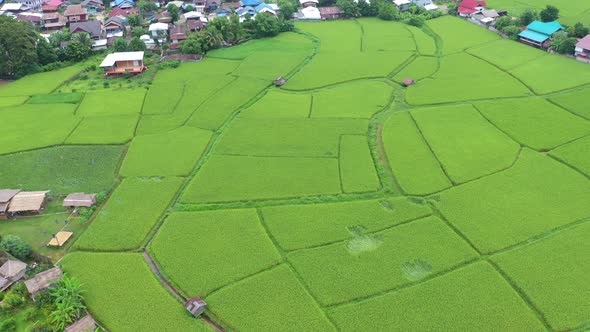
(15,246)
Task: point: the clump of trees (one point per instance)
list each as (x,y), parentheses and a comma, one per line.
(386,10)
(224,32)
(15,246)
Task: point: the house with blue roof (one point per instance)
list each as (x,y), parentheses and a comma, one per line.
(251,3)
(246,10)
(265,8)
(539,33)
(124,4)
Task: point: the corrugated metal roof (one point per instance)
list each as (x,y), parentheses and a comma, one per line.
(121,56)
(547,28)
(533,35)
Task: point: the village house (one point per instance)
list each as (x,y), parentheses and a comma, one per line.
(330,13)
(123,62)
(310,13)
(5,196)
(159,31)
(51,6)
(53,21)
(93,6)
(402,5)
(30,4)
(194,25)
(114,27)
(309,3)
(177,35)
(123,4)
(266,8)
(539,33)
(75,13)
(10,272)
(42,281)
(27,202)
(92,28)
(582,51)
(33,18)
(469,7)
(13,8)
(212,5)
(123,13)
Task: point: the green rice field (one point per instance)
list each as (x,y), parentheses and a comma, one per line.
(340,201)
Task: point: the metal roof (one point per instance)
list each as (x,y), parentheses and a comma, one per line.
(547,28)
(121,56)
(533,35)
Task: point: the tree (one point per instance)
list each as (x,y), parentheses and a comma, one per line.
(83,38)
(15,246)
(288,8)
(146,7)
(45,53)
(134,20)
(417,21)
(527,17)
(77,51)
(503,22)
(68,300)
(563,44)
(266,25)
(136,44)
(387,11)
(18,55)
(511,31)
(549,14)
(189,8)
(453,9)
(578,30)
(174,12)
(120,45)
(60,36)
(138,32)
(367,9)
(349,8)
(193,45)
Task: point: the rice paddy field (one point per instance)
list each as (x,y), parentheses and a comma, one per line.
(340,201)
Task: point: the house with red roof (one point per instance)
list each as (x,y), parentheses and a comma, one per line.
(470,7)
(582,51)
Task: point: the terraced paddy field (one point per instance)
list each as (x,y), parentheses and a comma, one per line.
(340,201)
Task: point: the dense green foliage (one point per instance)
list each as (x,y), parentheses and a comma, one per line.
(15,246)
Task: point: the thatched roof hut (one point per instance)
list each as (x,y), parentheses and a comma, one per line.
(84,324)
(42,280)
(79,199)
(27,201)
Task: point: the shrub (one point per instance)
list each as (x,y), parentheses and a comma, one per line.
(387,11)
(13,300)
(417,21)
(8,324)
(15,246)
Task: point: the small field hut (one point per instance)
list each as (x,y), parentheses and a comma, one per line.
(84,324)
(11,271)
(79,200)
(196,306)
(279,81)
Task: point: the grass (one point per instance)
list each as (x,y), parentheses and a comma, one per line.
(466,299)
(570,12)
(576,102)
(112,102)
(506,54)
(239,178)
(535,123)
(422,67)
(379,35)
(296,137)
(130,214)
(57,98)
(424,42)
(345,271)
(356,165)
(41,83)
(127,278)
(297,312)
(576,154)
(12,101)
(162,98)
(343,36)
(230,244)
(552,73)
(466,144)
(360,99)
(214,112)
(270,65)
(303,226)
(551,269)
(35,126)
(277,104)
(535,196)
(456,81)
(157,155)
(285,42)
(414,166)
(116,129)
(331,67)
(458,34)
(62,170)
